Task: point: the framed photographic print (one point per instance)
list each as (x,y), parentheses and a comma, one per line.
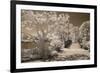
(52,36)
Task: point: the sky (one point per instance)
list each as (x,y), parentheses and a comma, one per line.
(78,18)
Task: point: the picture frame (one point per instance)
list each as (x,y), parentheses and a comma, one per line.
(16,40)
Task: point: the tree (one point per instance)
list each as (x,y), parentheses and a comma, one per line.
(85,35)
(85,30)
(76,34)
(42,27)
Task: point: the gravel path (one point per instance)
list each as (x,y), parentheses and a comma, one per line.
(74,53)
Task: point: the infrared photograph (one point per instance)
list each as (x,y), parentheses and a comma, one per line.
(54,36)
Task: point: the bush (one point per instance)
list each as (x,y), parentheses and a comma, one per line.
(68,43)
(26,54)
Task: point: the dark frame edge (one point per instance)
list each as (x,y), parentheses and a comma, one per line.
(95,35)
(56,68)
(54,4)
(13,36)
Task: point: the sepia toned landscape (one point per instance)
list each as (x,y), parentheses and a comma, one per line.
(54,36)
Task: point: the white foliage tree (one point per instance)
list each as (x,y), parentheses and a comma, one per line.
(85,35)
(47,29)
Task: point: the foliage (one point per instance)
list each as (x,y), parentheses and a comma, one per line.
(85,35)
(49,31)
